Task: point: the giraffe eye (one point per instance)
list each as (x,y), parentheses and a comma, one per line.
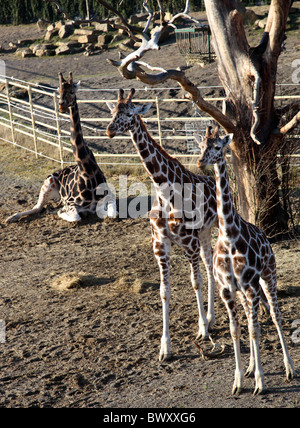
(218,148)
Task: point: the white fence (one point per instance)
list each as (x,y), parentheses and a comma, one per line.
(31,110)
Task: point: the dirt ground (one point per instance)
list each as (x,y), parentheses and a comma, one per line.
(97,345)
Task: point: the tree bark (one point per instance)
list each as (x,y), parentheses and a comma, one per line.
(249,77)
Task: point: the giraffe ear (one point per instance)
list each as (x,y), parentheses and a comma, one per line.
(227,140)
(142,109)
(77,85)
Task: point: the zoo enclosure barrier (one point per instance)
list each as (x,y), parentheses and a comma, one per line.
(31,110)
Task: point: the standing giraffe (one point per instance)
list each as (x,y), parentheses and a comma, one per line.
(243,262)
(74,186)
(169,177)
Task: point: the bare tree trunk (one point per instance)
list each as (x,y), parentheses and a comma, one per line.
(249,78)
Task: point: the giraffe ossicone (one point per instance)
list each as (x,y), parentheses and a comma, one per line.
(164,169)
(244,264)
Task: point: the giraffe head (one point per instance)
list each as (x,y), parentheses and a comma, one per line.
(67,92)
(211,147)
(124,112)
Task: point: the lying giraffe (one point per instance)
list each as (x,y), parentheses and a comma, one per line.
(74,186)
(169,177)
(243,262)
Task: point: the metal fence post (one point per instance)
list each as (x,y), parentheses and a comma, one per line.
(10,112)
(32,121)
(58,129)
(158,121)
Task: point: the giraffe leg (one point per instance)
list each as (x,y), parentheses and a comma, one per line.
(49,191)
(228,298)
(161,248)
(268,284)
(196,278)
(69,213)
(207,258)
(253,298)
(251,368)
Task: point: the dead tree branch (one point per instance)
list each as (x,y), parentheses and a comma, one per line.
(291,124)
(131,67)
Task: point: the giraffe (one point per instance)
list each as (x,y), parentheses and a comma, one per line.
(74,186)
(167,224)
(243,263)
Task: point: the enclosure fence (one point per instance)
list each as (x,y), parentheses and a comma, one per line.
(30,117)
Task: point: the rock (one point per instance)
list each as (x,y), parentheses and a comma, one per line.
(126,46)
(88,39)
(51,27)
(25,52)
(65,30)
(261,23)
(12,45)
(50,34)
(63,49)
(168,16)
(59,24)
(249,17)
(44,52)
(104,27)
(46,49)
(83,32)
(122,32)
(104,39)
(44,46)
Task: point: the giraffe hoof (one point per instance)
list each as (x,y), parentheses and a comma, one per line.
(165,357)
(249,373)
(258,391)
(290,371)
(236,390)
(202,336)
(12,219)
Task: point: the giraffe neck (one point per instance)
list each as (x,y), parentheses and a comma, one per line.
(228,217)
(83,155)
(156,160)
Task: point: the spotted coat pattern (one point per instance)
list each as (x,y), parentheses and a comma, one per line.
(170,225)
(73,186)
(244,263)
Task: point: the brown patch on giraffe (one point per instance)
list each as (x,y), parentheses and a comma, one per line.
(239,264)
(221,248)
(223,263)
